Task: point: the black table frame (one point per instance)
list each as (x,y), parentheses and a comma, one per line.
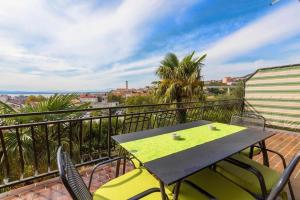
(197,155)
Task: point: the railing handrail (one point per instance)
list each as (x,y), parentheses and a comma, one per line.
(104,108)
(91,118)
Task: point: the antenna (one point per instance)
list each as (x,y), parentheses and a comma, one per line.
(274,2)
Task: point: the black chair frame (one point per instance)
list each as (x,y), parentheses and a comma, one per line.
(285,178)
(62,158)
(259,175)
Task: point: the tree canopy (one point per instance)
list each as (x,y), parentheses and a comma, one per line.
(180,80)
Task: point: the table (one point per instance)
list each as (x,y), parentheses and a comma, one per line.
(200,147)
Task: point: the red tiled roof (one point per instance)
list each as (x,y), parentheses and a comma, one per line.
(87,96)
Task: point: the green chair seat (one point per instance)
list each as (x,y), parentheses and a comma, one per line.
(187,193)
(247,179)
(218,186)
(137,181)
(246,152)
(129,185)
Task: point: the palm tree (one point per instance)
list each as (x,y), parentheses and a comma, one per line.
(53,103)
(180,81)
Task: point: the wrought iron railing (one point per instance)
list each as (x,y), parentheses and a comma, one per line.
(29,140)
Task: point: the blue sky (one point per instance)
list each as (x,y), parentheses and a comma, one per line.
(92,45)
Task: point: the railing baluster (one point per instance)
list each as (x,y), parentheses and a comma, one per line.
(124,123)
(116,125)
(99,137)
(193,113)
(48,148)
(149,122)
(130,122)
(164,118)
(198,113)
(109,133)
(80,140)
(137,122)
(159,120)
(6,162)
(174,117)
(169,118)
(153,126)
(58,134)
(202,111)
(20,152)
(90,138)
(144,119)
(70,139)
(34,150)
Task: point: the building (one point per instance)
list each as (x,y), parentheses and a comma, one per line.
(233,80)
(4,98)
(228,80)
(126,92)
(88,98)
(104,104)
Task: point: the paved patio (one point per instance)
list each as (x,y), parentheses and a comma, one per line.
(284,142)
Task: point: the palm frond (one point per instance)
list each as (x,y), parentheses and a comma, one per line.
(180,79)
(6,109)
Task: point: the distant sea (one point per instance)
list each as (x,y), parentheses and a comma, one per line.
(43,93)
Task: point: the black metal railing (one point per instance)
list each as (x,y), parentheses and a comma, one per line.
(29,141)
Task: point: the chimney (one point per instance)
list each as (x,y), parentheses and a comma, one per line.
(126,85)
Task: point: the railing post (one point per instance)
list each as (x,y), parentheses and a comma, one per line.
(109,133)
(202,109)
(243,106)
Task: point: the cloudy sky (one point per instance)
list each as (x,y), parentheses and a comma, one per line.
(78,45)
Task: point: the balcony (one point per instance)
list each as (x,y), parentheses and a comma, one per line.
(29,164)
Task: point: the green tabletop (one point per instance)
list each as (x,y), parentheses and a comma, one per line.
(155,147)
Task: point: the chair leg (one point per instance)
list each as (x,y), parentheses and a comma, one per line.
(124,165)
(251,152)
(265,154)
(291,190)
(176,190)
(162,190)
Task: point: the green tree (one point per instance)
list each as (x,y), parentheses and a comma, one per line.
(140,100)
(238,91)
(53,103)
(115,98)
(34,99)
(180,80)
(216,91)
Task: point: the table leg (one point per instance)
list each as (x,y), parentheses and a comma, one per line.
(119,162)
(162,190)
(118,168)
(176,190)
(265,153)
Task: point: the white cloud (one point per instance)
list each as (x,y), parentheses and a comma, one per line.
(71,45)
(247,67)
(279,25)
(275,27)
(50,38)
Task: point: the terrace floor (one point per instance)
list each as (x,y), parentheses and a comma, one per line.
(284,142)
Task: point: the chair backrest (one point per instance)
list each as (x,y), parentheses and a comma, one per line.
(284,178)
(251,121)
(71,177)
